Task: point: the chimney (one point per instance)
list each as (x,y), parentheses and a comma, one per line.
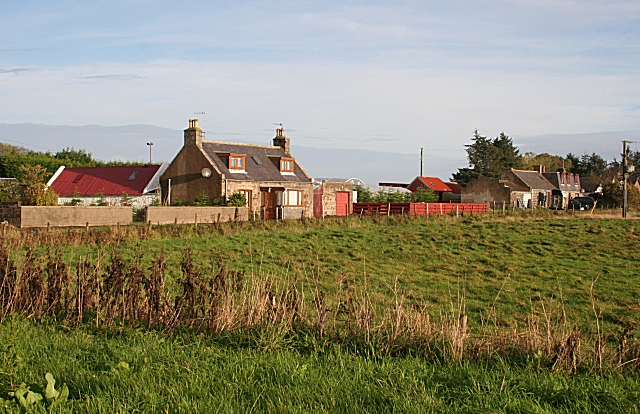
(282,141)
(193,134)
(542,169)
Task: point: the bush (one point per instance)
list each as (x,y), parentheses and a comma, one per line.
(613,190)
(9,191)
(237,200)
(37,193)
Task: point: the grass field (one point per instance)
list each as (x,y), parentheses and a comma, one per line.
(545,283)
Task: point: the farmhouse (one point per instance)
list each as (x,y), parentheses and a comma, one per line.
(271,180)
(109,185)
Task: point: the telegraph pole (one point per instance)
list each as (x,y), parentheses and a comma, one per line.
(150,144)
(421,160)
(624,179)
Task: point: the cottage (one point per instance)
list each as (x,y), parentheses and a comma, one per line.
(272,182)
(568,187)
(138,186)
(518,188)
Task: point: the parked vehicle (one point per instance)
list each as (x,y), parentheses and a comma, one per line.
(582,203)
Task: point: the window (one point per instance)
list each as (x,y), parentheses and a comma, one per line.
(236,162)
(294,198)
(286,165)
(562,178)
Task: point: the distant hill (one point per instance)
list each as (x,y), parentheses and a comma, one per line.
(129,143)
(606,144)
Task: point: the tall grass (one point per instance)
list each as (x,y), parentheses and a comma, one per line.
(270,310)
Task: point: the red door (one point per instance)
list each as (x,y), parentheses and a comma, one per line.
(269,204)
(342,203)
(317,201)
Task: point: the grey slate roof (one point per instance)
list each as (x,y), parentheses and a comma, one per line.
(513,186)
(265,171)
(534,180)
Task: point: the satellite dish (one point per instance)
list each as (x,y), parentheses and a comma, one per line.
(206,172)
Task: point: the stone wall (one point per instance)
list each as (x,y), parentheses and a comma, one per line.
(187,215)
(486,190)
(10,213)
(187,182)
(76,216)
(330,189)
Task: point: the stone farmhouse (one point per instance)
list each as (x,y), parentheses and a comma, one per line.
(90,185)
(272,181)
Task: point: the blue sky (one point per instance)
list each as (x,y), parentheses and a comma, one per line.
(387,76)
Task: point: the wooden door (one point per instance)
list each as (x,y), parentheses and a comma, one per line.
(342,203)
(269,204)
(317,202)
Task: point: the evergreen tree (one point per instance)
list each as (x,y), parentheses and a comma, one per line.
(488,158)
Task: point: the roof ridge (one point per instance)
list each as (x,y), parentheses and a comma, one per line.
(241,144)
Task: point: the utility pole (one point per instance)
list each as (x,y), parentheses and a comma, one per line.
(624,179)
(421,160)
(150,144)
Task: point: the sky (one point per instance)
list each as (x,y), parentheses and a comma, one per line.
(382,76)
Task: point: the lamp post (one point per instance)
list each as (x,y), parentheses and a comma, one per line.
(150,144)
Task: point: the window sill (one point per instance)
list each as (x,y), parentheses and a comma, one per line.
(287,173)
(237,171)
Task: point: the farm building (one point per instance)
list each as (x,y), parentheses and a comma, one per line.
(332,197)
(444,191)
(92,185)
(274,185)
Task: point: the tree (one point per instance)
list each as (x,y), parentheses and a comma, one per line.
(36,193)
(364,194)
(424,195)
(488,158)
(588,165)
(614,191)
(531,161)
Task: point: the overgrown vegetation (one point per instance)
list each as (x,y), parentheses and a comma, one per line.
(421,195)
(450,306)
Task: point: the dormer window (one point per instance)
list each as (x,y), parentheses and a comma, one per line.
(236,162)
(286,165)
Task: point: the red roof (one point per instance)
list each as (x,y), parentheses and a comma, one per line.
(108,180)
(432,183)
(455,187)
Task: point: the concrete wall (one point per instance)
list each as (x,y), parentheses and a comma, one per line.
(67,216)
(485,190)
(187,215)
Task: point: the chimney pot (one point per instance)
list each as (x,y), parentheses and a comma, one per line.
(195,123)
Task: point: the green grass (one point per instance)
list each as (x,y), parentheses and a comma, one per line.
(513,261)
(190,373)
(510,265)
